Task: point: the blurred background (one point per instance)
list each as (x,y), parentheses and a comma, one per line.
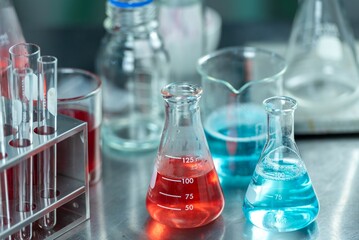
(72,30)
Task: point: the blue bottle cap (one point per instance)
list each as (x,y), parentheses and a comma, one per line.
(129,3)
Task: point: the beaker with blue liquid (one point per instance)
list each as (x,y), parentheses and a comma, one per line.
(235,82)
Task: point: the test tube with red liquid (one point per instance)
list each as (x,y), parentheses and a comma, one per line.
(184,191)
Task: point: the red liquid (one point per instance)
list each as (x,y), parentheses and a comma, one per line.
(8,175)
(185,195)
(94,152)
(4,83)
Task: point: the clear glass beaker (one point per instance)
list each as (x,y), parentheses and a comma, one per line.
(280,196)
(323,70)
(184,191)
(235,82)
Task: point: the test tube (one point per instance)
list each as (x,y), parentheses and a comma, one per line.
(22,120)
(25,55)
(5,219)
(47,95)
(24,58)
(47,125)
(5,75)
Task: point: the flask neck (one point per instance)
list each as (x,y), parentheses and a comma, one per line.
(281,126)
(181,101)
(280,115)
(130,19)
(182,115)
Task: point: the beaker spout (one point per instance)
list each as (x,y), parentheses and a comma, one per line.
(236,68)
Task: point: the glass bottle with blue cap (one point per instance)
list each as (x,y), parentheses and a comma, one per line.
(133,65)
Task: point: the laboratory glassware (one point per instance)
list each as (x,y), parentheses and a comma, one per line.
(235,81)
(24,86)
(133,65)
(22,122)
(5,80)
(47,125)
(5,184)
(10,29)
(280,196)
(182,25)
(323,70)
(184,191)
(79,95)
(5,206)
(25,55)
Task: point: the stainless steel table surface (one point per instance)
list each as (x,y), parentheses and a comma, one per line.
(118,201)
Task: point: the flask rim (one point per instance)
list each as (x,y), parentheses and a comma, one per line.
(280,105)
(96,89)
(181,92)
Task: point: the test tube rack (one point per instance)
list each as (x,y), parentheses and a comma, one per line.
(72,201)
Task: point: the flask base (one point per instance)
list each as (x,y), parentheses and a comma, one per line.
(281,220)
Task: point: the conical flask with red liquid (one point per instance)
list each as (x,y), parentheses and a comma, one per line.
(184,191)
(10,29)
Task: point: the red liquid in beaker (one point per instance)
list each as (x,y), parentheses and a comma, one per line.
(185,194)
(94,153)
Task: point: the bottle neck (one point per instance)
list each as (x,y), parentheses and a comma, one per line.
(134,19)
(281,126)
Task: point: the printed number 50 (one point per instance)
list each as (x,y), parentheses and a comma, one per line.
(189,207)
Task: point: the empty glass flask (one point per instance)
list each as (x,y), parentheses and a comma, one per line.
(184,191)
(280,196)
(323,69)
(133,65)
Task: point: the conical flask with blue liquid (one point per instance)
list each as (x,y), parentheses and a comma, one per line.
(280,196)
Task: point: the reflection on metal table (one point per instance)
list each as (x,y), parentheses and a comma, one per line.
(118,208)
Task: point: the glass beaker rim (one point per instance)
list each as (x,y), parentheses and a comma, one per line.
(280,104)
(245,49)
(91,75)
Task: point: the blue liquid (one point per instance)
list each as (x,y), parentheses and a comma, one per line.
(280,196)
(236,137)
